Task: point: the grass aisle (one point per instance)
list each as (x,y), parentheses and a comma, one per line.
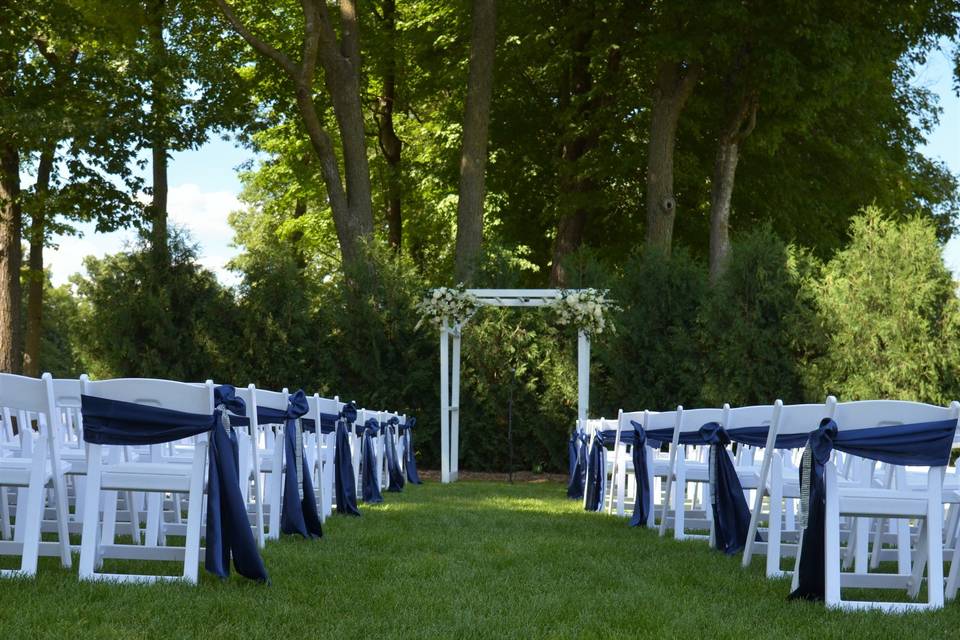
(470,560)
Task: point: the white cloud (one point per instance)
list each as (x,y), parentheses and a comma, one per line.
(203,213)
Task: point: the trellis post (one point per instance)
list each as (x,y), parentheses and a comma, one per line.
(445,401)
(455,406)
(583,376)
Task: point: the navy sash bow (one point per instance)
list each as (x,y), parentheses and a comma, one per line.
(920,444)
(345,480)
(228,534)
(299,510)
(410,458)
(596,474)
(368,466)
(642,503)
(731,515)
(393,461)
(577,449)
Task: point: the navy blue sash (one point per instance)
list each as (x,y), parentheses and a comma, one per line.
(920,444)
(228,534)
(643,501)
(757,437)
(410,458)
(393,461)
(596,474)
(368,465)
(731,515)
(577,449)
(344,478)
(299,510)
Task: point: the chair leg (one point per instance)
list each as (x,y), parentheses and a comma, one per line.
(151,534)
(877,546)
(276,490)
(34,512)
(21,514)
(832,539)
(935,540)
(920,556)
(903,545)
(191,556)
(5,531)
(63,515)
(954,576)
(680,501)
(91,517)
(134,513)
(774,533)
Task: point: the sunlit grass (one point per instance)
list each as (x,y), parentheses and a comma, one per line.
(470,560)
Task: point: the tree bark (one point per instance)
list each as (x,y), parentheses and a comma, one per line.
(476,124)
(351,203)
(36,277)
(158,142)
(738,128)
(11,338)
(390,145)
(578,140)
(674,84)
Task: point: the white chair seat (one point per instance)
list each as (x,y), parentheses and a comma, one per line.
(147,476)
(16,471)
(881,502)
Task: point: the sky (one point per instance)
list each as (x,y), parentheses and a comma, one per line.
(204,187)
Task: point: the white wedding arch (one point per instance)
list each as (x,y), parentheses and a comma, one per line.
(450,366)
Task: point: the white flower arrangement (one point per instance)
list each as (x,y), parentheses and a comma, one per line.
(455,304)
(586,309)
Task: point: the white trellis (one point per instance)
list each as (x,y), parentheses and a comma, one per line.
(450,371)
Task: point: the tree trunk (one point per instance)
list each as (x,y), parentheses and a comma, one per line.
(578,140)
(390,144)
(351,205)
(674,84)
(724,174)
(158,142)
(36,277)
(342,75)
(11,339)
(296,238)
(476,124)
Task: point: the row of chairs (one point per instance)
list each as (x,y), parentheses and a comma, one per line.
(136,482)
(835,495)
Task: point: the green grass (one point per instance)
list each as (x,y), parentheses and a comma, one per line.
(470,560)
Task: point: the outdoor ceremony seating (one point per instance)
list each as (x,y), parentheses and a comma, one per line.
(897,433)
(136,412)
(787,430)
(35,467)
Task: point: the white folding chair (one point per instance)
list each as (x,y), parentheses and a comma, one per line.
(324,447)
(164,475)
(867,499)
(779,481)
(686,469)
(623,481)
(269,437)
(33,399)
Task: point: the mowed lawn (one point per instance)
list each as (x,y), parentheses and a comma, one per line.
(469,560)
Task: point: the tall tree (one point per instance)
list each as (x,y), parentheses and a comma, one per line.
(158,119)
(675,81)
(476,124)
(390,144)
(740,124)
(350,199)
